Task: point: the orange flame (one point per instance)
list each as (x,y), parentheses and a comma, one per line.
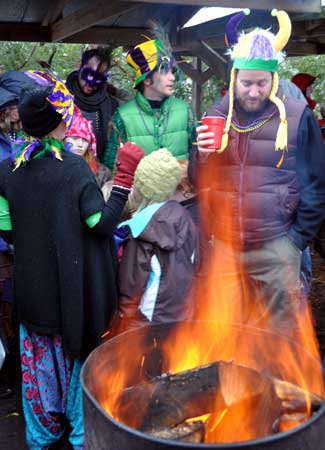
(231,323)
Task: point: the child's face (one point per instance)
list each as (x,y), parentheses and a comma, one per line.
(79,145)
(13,114)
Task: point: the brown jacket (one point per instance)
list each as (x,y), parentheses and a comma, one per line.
(157,266)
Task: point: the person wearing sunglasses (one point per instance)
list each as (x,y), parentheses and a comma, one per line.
(89,87)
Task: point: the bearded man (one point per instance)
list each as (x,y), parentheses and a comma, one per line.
(268,180)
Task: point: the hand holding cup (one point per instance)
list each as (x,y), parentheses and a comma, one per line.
(209,134)
(204,139)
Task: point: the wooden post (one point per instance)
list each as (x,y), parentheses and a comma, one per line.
(197,90)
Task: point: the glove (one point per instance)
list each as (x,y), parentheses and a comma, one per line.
(128,158)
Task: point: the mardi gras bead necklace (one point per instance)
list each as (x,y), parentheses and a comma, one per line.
(257,123)
(150,133)
(249,127)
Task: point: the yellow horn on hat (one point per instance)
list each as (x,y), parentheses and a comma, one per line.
(283,35)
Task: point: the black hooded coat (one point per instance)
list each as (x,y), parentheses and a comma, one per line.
(65,272)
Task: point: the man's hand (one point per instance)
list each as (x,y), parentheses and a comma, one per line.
(204,139)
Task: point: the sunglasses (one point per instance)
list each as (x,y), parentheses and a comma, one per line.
(92,77)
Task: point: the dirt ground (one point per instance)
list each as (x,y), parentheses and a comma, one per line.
(11,419)
(12,427)
(317,299)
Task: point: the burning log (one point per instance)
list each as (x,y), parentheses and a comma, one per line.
(185,432)
(288,421)
(294,399)
(172,399)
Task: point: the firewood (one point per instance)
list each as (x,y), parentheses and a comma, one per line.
(294,398)
(288,421)
(172,399)
(185,432)
(183,396)
(169,400)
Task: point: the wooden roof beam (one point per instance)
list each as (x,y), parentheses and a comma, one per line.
(212,33)
(215,61)
(308,27)
(54,12)
(313,24)
(125,37)
(304,48)
(196,75)
(287,5)
(88,16)
(190,71)
(185,14)
(24,32)
(293,48)
(208,52)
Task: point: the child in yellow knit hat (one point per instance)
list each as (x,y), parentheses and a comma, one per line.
(157,265)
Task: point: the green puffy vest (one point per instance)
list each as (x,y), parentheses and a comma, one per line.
(154,129)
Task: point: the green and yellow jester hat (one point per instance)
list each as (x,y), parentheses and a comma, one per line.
(258,50)
(149,56)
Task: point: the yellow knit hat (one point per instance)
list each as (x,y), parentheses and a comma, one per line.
(157,175)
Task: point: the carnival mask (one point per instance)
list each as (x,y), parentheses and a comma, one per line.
(92,77)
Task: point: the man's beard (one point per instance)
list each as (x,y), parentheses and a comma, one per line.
(255,106)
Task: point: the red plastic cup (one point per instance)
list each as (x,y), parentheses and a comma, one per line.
(216,125)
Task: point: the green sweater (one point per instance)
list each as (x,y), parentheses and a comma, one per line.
(172,127)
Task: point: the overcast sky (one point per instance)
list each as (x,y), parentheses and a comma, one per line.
(211,13)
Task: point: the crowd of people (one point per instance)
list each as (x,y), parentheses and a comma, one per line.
(100,218)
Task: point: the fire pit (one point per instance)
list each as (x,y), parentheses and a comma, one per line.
(122,422)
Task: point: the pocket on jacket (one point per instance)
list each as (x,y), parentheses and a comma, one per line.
(288,200)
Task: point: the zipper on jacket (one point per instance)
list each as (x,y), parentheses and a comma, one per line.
(242,142)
